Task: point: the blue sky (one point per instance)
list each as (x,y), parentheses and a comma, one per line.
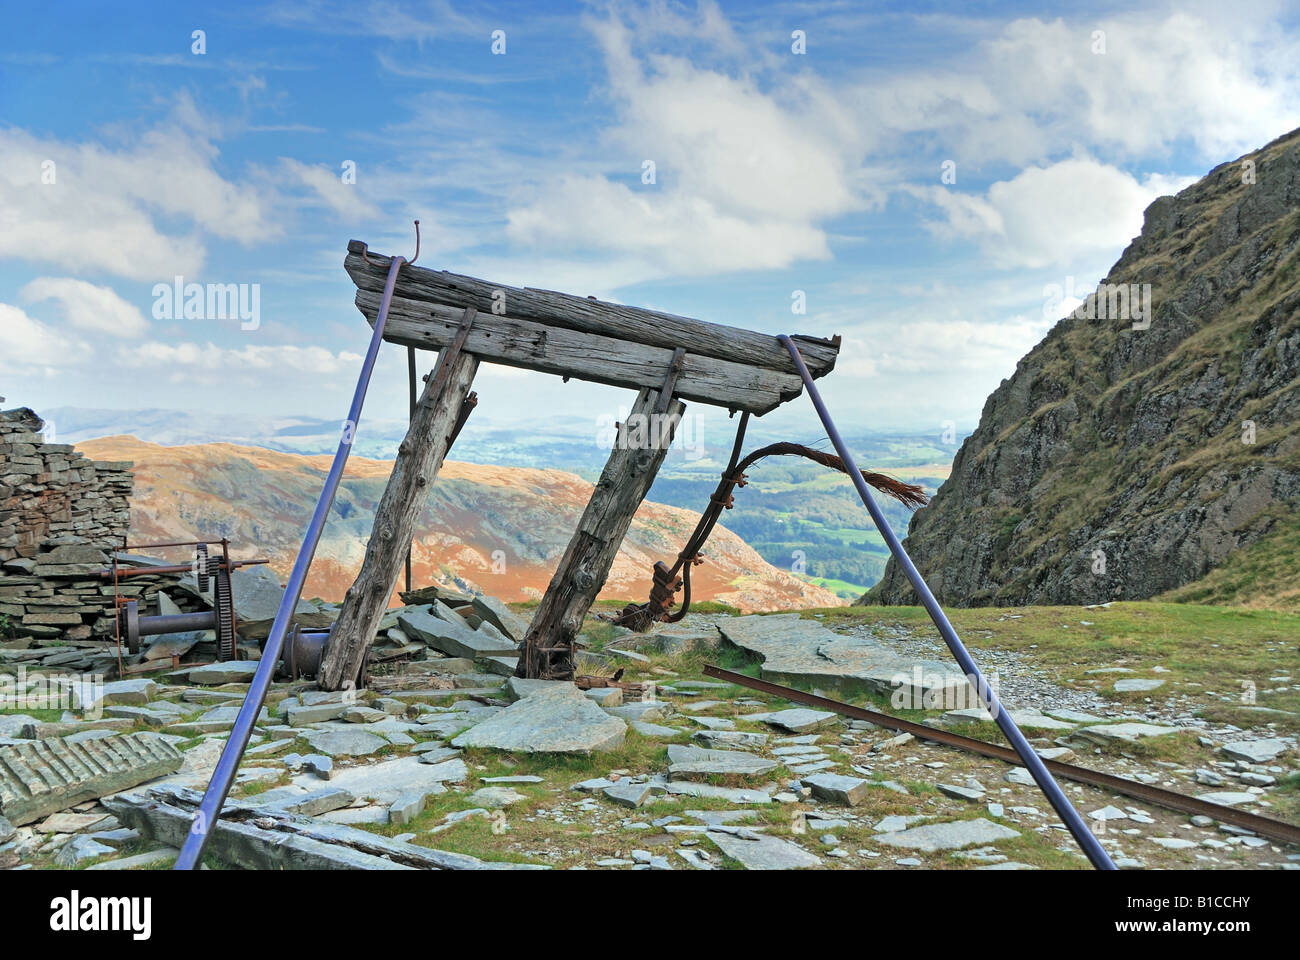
(775,172)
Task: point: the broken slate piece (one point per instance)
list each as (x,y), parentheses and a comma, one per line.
(57,774)
(834,788)
(686,761)
(558,720)
(628,794)
(798,719)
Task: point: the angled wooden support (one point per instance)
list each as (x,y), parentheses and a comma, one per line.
(442,409)
(639,450)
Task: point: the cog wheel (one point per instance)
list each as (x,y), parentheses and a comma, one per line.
(224,602)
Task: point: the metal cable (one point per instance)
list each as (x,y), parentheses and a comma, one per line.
(1032,761)
(205,818)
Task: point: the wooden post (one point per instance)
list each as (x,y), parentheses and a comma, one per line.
(638,452)
(433,425)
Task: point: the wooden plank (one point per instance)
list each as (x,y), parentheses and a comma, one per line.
(631,324)
(548,648)
(583,356)
(418,460)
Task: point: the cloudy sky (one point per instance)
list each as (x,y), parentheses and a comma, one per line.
(920,175)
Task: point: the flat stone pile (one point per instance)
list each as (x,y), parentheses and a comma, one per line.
(452,750)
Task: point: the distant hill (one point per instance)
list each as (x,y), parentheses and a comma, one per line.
(1122,463)
(498,529)
(799,516)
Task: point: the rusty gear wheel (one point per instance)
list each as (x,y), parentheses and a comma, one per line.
(201,566)
(224,603)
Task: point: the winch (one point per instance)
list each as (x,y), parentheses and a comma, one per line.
(211,572)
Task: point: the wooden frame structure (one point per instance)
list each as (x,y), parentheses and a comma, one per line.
(662,356)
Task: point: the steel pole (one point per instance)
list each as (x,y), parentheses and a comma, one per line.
(1032,761)
(224,774)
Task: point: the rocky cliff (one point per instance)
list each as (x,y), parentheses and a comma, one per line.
(1130,455)
(500,530)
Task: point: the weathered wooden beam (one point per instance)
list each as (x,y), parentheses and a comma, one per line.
(638,453)
(633,324)
(433,425)
(583,356)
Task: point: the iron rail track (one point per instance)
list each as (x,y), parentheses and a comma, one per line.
(1264,826)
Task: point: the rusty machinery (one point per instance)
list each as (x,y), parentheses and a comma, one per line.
(211,571)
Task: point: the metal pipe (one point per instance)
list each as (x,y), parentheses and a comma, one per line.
(224,774)
(410,381)
(1033,762)
(178,623)
(124,572)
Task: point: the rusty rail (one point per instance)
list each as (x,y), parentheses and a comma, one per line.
(1264,826)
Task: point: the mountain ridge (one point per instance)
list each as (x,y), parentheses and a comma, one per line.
(1123,461)
(495,529)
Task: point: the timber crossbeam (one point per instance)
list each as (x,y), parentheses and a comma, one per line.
(585,338)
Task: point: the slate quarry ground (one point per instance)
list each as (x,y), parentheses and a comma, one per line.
(707,776)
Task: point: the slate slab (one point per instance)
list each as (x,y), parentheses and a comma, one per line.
(730,738)
(628,794)
(45,776)
(834,788)
(1108,733)
(344,743)
(89,696)
(302,715)
(948,836)
(1137,685)
(686,761)
(794,649)
(761,852)
(388,779)
(1256,751)
(796,720)
(440,627)
(501,616)
(689,788)
(215,674)
(559,720)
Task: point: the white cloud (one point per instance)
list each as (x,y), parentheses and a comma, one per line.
(88,307)
(30,344)
(1219,80)
(327,185)
(754,155)
(1053,215)
(98,213)
(1225,80)
(184,359)
(744,179)
(685,234)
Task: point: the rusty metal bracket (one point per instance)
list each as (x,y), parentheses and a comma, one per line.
(450,353)
(670,381)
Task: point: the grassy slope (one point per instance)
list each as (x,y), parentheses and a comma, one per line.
(1208,651)
(1265,575)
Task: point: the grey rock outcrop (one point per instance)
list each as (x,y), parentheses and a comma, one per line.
(1129,456)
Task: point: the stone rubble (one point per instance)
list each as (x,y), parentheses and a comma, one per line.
(784,786)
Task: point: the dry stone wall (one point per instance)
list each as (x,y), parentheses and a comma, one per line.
(61,514)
